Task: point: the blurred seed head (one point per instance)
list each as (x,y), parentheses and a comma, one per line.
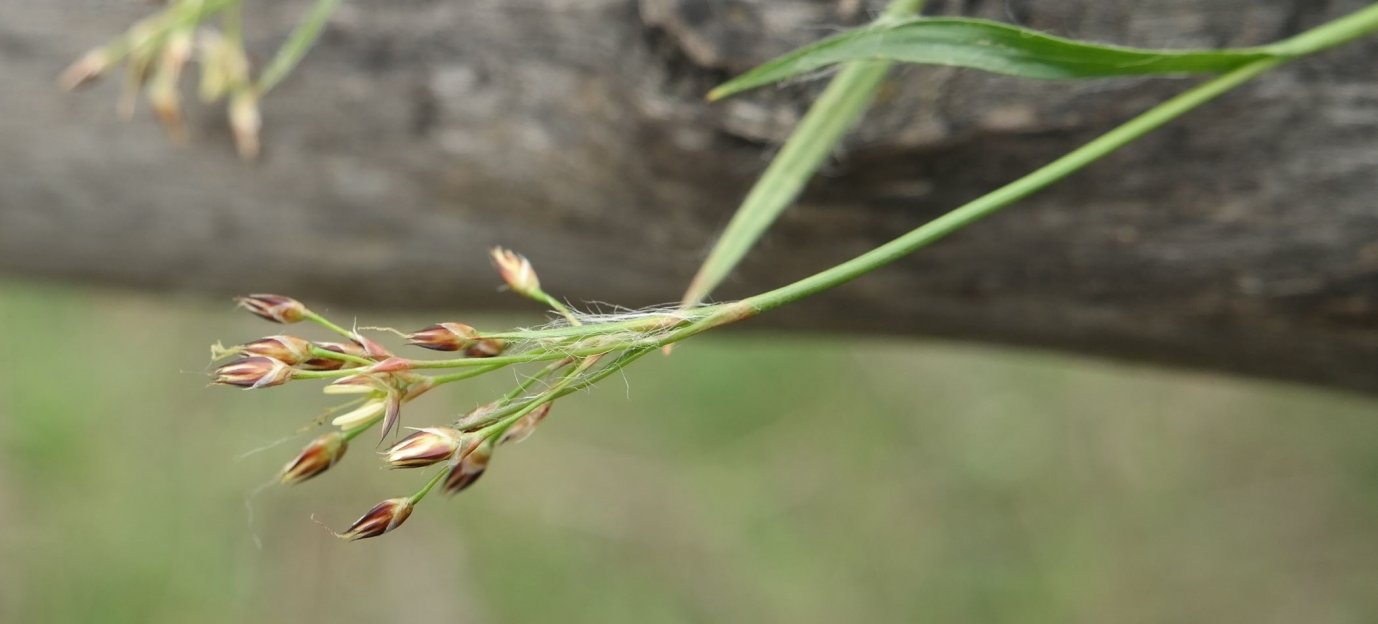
(469,469)
(245,123)
(254,372)
(444,337)
(289,349)
(317,457)
(522,429)
(275,308)
(384,517)
(516,270)
(86,69)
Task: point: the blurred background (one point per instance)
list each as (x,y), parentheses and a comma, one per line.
(750,477)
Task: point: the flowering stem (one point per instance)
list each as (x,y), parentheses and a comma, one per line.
(420,494)
(543,297)
(468,374)
(336,355)
(324,322)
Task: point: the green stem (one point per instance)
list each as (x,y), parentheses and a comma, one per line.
(462,375)
(835,111)
(344,357)
(1000,198)
(543,297)
(324,322)
(1337,32)
(296,46)
(430,485)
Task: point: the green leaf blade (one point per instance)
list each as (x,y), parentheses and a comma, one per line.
(988,46)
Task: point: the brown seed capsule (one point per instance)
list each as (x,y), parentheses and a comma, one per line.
(469,469)
(289,349)
(371,348)
(428,446)
(522,429)
(487,347)
(273,307)
(384,517)
(317,457)
(254,372)
(516,270)
(444,337)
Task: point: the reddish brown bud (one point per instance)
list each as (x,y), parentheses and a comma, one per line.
(317,457)
(469,469)
(522,429)
(444,337)
(371,348)
(289,349)
(273,307)
(391,365)
(325,363)
(254,372)
(384,517)
(428,446)
(487,347)
(516,270)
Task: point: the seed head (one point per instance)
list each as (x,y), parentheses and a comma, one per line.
(391,365)
(444,337)
(469,469)
(516,270)
(317,457)
(289,349)
(254,372)
(522,429)
(384,517)
(427,446)
(273,307)
(486,347)
(370,347)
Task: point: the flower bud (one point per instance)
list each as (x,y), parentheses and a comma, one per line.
(391,365)
(469,469)
(289,349)
(444,337)
(273,307)
(487,347)
(384,517)
(355,384)
(360,415)
(254,372)
(317,457)
(522,429)
(325,363)
(516,270)
(428,446)
(371,348)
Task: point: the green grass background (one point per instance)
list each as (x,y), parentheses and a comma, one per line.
(749,477)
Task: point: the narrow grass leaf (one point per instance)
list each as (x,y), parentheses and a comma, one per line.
(990,46)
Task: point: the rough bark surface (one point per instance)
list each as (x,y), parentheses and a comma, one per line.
(420,132)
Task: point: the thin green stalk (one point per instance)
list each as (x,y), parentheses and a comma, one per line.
(296,46)
(343,357)
(994,201)
(835,111)
(430,485)
(324,322)
(462,375)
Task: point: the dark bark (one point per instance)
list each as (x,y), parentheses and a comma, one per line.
(419,133)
